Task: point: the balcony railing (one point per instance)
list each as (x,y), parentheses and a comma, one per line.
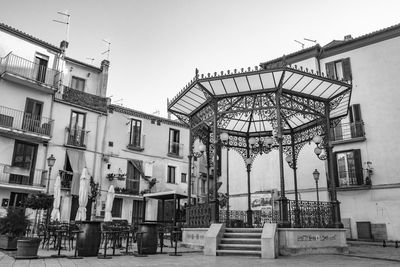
(29,70)
(137,144)
(66,179)
(18,175)
(347,131)
(83,99)
(19,120)
(76,137)
(349,179)
(175,149)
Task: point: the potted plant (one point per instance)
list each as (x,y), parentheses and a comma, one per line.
(12,226)
(27,247)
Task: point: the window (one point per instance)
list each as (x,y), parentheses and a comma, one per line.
(32,116)
(340,69)
(78,83)
(17,200)
(348,169)
(183,177)
(135,133)
(76,136)
(24,159)
(171,175)
(40,67)
(133,177)
(203,186)
(351,127)
(173,147)
(117,207)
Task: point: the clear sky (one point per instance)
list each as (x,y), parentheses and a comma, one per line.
(157,44)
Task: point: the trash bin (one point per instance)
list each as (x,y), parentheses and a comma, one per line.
(88,241)
(148,244)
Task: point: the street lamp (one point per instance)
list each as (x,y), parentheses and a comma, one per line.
(225,140)
(318,140)
(316,178)
(50,162)
(249,161)
(196,154)
(263,144)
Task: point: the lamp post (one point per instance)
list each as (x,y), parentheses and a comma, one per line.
(290,159)
(50,162)
(316,178)
(195,154)
(225,140)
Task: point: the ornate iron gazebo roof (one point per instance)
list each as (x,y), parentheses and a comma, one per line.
(246,104)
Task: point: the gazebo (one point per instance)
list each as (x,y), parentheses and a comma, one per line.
(257,110)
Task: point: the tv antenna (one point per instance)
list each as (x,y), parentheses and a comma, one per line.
(91,60)
(313,41)
(302,44)
(68,16)
(108,49)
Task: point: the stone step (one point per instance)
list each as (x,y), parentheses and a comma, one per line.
(242,235)
(243,230)
(246,247)
(222,252)
(253,241)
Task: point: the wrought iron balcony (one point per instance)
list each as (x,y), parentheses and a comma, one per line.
(137,144)
(27,70)
(12,119)
(83,99)
(22,176)
(76,137)
(132,190)
(348,179)
(348,131)
(66,179)
(175,149)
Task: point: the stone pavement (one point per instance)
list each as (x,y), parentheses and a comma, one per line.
(191,257)
(374,251)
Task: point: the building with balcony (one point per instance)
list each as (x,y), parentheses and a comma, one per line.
(52,104)
(143,153)
(365,173)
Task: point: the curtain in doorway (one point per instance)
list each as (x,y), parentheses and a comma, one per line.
(78,162)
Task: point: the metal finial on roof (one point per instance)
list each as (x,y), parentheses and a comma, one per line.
(242,69)
(228,71)
(306,69)
(196,73)
(295,66)
(256,68)
(318,73)
(312,71)
(323,74)
(222,72)
(235,70)
(202,75)
(301,67)
(208,74)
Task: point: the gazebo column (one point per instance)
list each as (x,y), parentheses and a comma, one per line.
(190,156)
(337,222)
(208,167)
(249,211)
(284,215)
(297,223)
(215,157)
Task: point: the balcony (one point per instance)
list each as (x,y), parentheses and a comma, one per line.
(137,144)
(14,176)
(66,179)
(23,71)
(348,132)
(18,123)
(175,150)
(348,181)
(83,99)
(76,137)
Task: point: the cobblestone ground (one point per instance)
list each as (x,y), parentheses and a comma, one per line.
(196,258)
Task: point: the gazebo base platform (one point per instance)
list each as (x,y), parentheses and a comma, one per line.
(272,241)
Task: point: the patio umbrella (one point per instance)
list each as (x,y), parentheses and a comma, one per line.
(55,213)
(83,196)
(109,204)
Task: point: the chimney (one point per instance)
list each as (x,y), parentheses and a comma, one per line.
(63,46)
(105,64)
(348,37)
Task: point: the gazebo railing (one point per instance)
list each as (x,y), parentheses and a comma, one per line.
(311,214)
(201,215)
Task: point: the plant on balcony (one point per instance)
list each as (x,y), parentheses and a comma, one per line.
(151,182)
(118,176)
(12,226)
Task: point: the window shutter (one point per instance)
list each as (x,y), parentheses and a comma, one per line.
(356,112)
(346,69)
(358,166)
(330,70)
(335,170)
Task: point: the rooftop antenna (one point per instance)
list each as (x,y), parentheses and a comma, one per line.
(68,16)
(302,44)
(313,41)
(119,102)
(157,112)
(108,49)
(91,60)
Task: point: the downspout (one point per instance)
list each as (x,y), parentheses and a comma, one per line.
(318,57)
(103,145)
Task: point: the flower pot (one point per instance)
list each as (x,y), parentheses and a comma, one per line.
(8,242)
(27,247)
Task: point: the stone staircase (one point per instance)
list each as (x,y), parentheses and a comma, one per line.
(240,242)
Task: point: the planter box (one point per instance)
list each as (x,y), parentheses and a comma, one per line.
(27,247)
(8,243)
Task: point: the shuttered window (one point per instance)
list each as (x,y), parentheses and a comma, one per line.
(132,179)
(339,69)
(348,168)
(117,207)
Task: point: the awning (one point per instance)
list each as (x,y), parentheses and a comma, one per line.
(77,162)
(168,195)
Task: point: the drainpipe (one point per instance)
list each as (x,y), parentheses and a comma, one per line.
(103,145)
(318,57)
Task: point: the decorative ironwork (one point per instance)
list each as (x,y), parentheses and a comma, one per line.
(201,215)
(84,99)
(238,218)
(312,214)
